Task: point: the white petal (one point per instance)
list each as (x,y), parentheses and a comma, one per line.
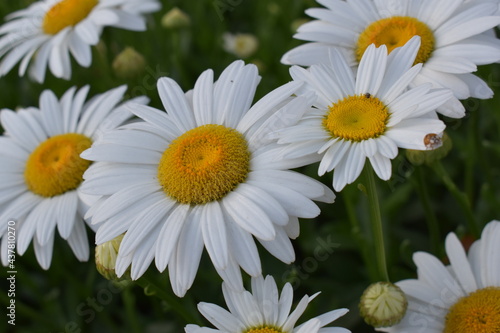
(331,316)
(294,202)
(265,104)
(239,96)
(124,200)
(280,247)
(285,304)
(169,235)
(186,259)
(66,212)
(46,222)
(203,98)
(371,70)
(382,166)
(249,216)
(307,54)
(490,270)
(333,156)
(459,263)
(467,29)
(213,229)
(243,248)
(143,224)
(220,317)
(433,272)
(121,154)
(355,162)
(80,50)
(159,119)
(294,180)
(97,109)
(44,253)
(269,205)
(19,130)
(310,326)
(78,241)
(294,316)
(129,21)
(410,133)
(175,104)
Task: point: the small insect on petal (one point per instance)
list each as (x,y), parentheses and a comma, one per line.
(432,141)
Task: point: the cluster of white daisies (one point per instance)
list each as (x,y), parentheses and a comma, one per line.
(212,170)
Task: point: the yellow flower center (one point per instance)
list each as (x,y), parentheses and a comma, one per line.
(395,32)
(265,329)
(66,13)
(357,118)
(55,166)
(479,313)
(204,164)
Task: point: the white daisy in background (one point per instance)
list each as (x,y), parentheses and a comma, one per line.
(204,174)
(240,44)
(452,32)
(41,170)
(367,115)
(45,33)
(462,297)
(264,310)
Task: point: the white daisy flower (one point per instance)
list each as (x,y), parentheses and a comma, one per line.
(367,115)
(47,32)
(204,174)
(452,32)
(41,170)
(264,310)
(461,297)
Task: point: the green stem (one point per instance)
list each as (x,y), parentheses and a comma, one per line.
(147,283)
(432,223)
(459,196)
(376,222)
(359,237)
(130,310)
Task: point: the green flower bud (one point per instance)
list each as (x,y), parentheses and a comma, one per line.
(175,19)
(105,259)
(129,64)
(383,304)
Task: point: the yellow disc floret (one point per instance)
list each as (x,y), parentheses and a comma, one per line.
(264,329)
(395,32)
(357,118)
(204,164)
(55,166)
(478,312)
(66,13)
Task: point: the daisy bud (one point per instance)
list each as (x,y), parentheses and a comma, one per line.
(129,64)
(383,304)
(105,258)
(175,19)
(438,148)
(241,45)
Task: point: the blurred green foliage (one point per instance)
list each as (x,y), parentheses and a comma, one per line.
(334,252)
